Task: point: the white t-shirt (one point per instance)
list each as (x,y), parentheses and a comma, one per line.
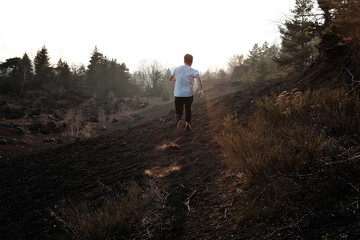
(184,81)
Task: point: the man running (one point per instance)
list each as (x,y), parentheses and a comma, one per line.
(184,81)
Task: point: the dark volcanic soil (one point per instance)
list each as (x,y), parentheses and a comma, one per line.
(31,185)
(187,167)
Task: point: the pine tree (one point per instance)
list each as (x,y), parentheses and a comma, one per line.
(297,39)
(254,56)
(269,55)
(116,78)
(63,74)
(42,67)
(107,75)
(262,70)
(342,28)
(27,70)
(259,65)
(341,17)
(95,68)
(12,75)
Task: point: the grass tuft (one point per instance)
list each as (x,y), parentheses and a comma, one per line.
(116,217)
(76,126)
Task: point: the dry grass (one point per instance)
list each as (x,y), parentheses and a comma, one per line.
(116,217)
(76,126)
(299,150)
(288,134)
(125,110)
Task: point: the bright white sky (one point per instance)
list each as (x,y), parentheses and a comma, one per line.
(133,30)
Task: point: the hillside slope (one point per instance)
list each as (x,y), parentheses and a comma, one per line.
(149,152)
(197,196)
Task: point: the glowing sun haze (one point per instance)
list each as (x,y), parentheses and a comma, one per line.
(133,30)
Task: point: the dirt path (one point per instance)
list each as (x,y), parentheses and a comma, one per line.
(199,192)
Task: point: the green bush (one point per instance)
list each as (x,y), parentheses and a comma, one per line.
(137,97)
(111,96)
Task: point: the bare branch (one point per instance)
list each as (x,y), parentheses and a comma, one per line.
(187,201)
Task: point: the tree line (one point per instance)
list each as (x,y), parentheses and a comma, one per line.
(102,76)
(300,35)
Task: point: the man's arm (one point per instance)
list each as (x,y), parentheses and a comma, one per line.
(172,79)
(201,91)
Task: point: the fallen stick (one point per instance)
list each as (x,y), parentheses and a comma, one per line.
(187,201)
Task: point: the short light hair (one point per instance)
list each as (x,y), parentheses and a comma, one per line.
(188,59)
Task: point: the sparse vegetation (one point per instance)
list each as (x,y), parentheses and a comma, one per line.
(297,147)
(295,164)
(76,126)
(115,217)
(289,133)
(111,96)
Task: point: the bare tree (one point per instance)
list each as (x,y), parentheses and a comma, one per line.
(234,61)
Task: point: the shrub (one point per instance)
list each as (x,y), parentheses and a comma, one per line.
(288,134)
(111,96)
(76,126)
(114,218)
(300,157)
(137,97)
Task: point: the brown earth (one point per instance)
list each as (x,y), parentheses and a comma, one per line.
(200,195)
(148,152)
(26,142)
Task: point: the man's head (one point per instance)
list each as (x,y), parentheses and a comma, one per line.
(188,59)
